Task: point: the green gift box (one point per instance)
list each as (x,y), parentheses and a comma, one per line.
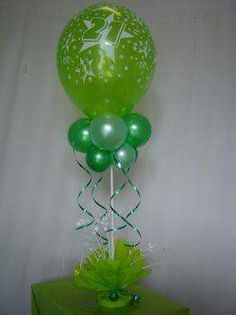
(63,297)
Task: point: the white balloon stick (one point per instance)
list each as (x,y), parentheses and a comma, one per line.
(112,234)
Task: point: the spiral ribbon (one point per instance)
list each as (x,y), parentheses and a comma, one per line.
(119,190)
(95,186)
(133,209)
(80,194)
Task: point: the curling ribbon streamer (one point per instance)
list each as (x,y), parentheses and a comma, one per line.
(83,190)
(136,191)
(95,185)
(125,219)
(80,194)
(116,193)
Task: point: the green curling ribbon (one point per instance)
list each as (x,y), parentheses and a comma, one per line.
(137,192)
(127,179)
(119,190)
(95,185)
(80,194)
(125,219)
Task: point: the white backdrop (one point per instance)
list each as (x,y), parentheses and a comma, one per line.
(187,173)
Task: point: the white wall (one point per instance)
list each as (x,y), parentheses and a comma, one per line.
(187,173)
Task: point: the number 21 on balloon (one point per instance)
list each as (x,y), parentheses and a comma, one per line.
(99,27)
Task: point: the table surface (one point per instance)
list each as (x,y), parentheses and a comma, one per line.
(63,297)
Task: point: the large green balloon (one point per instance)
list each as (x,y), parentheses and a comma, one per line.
(78,135)
(98,160)
(139,129)
(108,131)
(125,156)
(106,59)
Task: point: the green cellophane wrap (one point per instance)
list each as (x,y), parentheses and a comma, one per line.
(112,278)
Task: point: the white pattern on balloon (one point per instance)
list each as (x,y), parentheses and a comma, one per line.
(98,33)
(68,40)
(87,71)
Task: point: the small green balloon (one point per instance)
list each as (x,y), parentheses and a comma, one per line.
(106,59)
(139,129)
(125,156)
(136,298)
(108,131)
(78,135)
(98,160)
(113,296)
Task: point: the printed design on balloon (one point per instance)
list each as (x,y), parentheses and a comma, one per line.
(107,33)
(68,41)
(87,72)
(67,59)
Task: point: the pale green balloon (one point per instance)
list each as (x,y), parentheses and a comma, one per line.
(125,156)
(106,59)
(108,131)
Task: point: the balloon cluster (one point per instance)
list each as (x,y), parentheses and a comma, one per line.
(106,59)
(110,139)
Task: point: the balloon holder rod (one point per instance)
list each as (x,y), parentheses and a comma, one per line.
(112,233)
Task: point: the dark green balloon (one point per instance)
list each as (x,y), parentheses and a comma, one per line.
(139,129)
(79,136)
(98,160)
(125,156)
(113,296)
